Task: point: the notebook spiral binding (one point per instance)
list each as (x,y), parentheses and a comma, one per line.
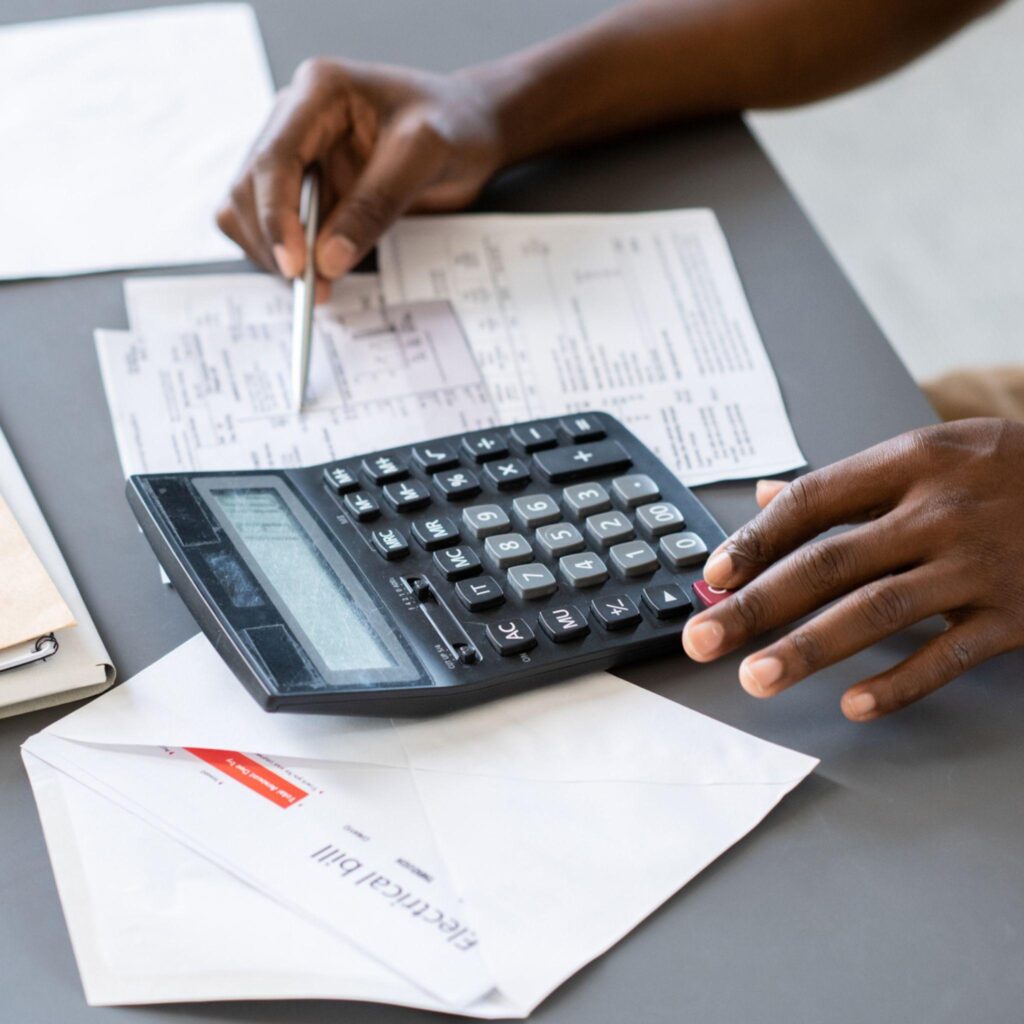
(45,647)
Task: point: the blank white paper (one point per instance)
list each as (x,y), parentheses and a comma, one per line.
(122,133)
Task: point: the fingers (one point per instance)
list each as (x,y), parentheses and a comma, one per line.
(963,645)
(766,490)
(236,218)
(801,583)
(856,488)
(404,161)
(870,614)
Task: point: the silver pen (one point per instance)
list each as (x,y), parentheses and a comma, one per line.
(304,291)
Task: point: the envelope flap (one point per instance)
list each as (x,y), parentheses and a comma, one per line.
(596,728)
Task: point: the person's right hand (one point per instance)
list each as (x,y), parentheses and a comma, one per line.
(386,140)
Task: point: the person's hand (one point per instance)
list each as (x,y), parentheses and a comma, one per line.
(386,140)
(942,533)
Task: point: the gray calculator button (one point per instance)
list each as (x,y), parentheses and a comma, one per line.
(635,489)
(485,520)
(559,539)
(583,570)
(533,510)
(634,558)
(660,518)
(586,499)
(607,528)
(506,549)
(531,581)
(683,549)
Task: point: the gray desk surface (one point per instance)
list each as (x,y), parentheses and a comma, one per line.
(888,887)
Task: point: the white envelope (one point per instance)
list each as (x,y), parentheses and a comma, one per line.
(557,820)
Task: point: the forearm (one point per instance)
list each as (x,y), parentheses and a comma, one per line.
(659,61)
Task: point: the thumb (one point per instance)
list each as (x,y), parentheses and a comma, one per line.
(402,164)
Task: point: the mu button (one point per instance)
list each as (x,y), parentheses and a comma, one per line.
(566,623)
(513,636)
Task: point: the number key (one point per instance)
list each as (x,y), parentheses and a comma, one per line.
(634,558)
(531,581)
(559,539)
(485,520)
(583,570)
(585,499)
(684,549)
(533,510)
(656,520)
(607,528)
(507,549)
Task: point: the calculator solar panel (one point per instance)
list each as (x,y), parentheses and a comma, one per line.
(428,577)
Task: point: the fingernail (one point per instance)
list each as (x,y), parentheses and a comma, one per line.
(718,569)
(337,256)
(860,704)
(769,486)
(759,675)
(286,262)
(704,638)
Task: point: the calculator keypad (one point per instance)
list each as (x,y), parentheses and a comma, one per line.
(531,581)
(533,510)
(608,528)
(457,484)
(507,474)
(480,593)
(482,521)
(507,549)
(660,518)
(580,524)
(361,506)
(457,563)
(584,500)
(583,570)
(435,532)
(684,549)
(559,539)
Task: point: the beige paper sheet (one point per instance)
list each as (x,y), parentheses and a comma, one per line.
(30,604)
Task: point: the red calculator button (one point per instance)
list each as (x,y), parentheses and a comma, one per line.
(708,595)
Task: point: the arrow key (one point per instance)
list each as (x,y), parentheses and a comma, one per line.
(668,601)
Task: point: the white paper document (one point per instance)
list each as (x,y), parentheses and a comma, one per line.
(639,314)
(121,135)
(468,863)
(203,381)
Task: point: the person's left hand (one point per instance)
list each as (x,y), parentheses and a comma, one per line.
(942,514)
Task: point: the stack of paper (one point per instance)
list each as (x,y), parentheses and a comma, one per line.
(474,321)
(121,135)
(471,863)
(38,597)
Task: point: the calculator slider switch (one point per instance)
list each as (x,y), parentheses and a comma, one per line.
(564,464)
(340,479)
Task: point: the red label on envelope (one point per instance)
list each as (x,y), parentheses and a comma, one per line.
(248,772)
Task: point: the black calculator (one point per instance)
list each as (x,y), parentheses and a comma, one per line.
(428,577)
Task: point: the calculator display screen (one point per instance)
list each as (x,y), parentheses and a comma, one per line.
(295,567)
